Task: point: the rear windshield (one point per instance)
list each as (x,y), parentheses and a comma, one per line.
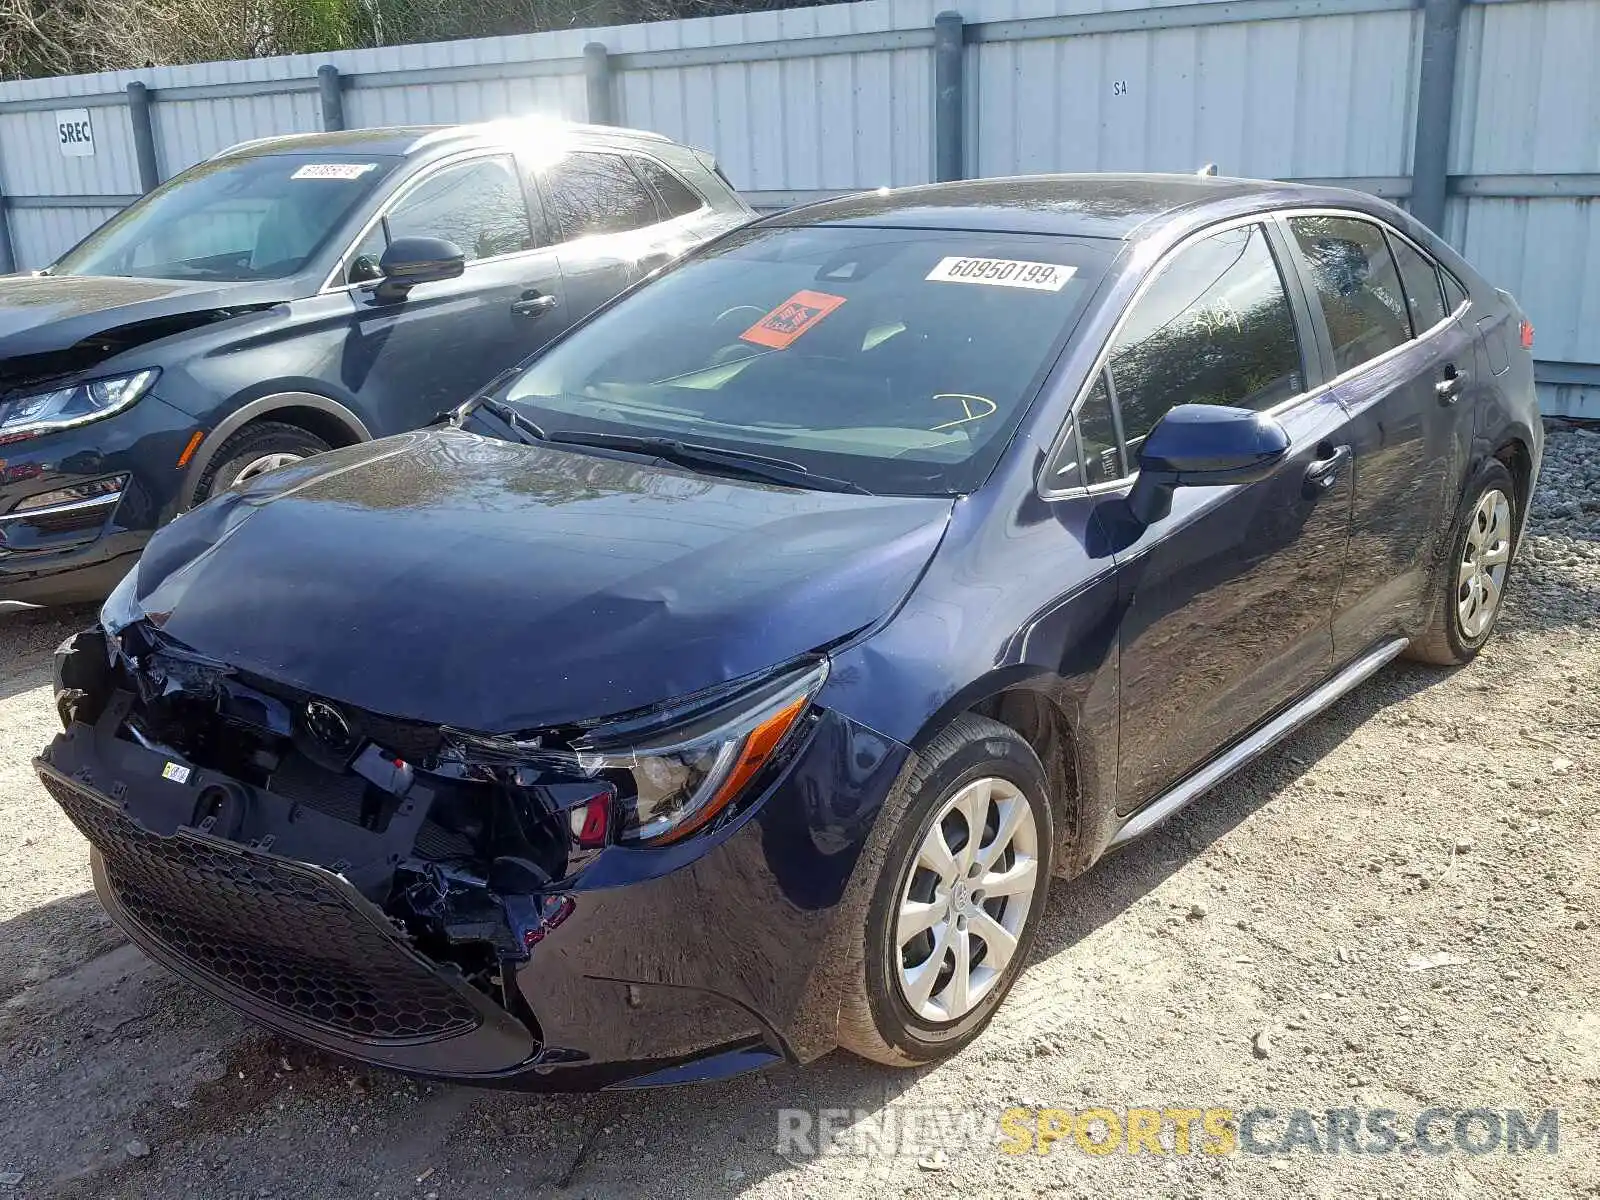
(231,219)
(899,359)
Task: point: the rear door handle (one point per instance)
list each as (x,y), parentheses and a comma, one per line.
(533,303)
(1323,472)
(1449,387)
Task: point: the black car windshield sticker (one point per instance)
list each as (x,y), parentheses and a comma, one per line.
(1003,272)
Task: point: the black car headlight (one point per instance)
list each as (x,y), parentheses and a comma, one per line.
(75,404)
(682,778)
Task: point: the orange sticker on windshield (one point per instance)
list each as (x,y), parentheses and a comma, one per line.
(780,327)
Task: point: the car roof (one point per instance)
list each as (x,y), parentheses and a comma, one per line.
(404,140)
(1086,205)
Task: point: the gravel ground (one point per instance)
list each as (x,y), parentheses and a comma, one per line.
(1397,908)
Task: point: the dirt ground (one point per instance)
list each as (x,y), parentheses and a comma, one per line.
(1299,912)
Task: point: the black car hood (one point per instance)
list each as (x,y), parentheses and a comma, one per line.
(461,580)
(40,314)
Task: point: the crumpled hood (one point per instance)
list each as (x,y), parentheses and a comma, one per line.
(461,580)
(40,314)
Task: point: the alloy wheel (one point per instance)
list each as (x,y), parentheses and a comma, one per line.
(966,899)
(260,466)
(1481,575)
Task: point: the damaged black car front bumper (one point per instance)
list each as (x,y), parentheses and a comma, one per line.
(332,893)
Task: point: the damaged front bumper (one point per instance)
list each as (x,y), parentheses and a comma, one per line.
(620,966)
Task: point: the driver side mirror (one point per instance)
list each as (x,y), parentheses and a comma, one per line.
(412,260)
(1203,445)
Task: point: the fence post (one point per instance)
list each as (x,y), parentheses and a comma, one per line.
(8,249)
(948,36)
(8,252)
(332,92)
(144,138)
(597,82)
(1436,90)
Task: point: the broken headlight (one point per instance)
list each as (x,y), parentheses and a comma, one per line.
(704,756)
(76,404)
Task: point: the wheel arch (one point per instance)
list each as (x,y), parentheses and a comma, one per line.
(1027,707)
(318,415)
(1517,456)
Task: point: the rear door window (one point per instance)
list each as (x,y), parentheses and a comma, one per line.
(1420,275)
(676,198)
(1214,327)
(597,193)
(1356,285)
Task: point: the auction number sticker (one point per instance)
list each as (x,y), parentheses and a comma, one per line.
(1003,272)
(333,170)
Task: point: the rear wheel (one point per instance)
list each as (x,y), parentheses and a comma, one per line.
(259,447)
(961,882)
(1472,579)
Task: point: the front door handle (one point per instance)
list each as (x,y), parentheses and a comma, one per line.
(1323,472)
(1449,387)
(533,303)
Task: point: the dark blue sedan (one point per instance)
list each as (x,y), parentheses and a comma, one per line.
(729,684)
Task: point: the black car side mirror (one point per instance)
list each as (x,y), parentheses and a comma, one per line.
(1202,445)
(412,260)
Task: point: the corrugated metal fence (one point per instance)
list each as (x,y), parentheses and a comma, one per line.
(1480,114)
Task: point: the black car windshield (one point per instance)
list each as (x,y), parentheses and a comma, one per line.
(231,219)
(900,360)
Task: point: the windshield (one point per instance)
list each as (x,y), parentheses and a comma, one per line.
(900,360)
(231,219)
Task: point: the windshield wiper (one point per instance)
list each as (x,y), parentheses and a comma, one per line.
(692,454)
(526,427)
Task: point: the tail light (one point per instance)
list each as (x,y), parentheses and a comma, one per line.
(1527,335)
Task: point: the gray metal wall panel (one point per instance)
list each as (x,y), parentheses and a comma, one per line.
(1325,96)
(1547,253)
(41,235)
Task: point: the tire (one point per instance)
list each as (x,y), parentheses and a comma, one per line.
(876,1018)
(1453,637)
(257,442)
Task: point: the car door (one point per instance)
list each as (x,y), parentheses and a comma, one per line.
(608,224)
(409,359)
(1227,600)
(1400,365)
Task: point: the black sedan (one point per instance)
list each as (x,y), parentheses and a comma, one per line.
(303,292)
(730,684)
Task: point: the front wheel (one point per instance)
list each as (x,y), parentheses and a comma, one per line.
(256,449)
(961,883)
(1472,580)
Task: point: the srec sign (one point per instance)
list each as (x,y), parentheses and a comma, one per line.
(74,134)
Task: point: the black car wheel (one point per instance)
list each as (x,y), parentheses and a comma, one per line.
(256,449)
(960,884)
(1472,577)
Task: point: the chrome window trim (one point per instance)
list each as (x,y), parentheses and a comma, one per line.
(1280,216)
(329,288)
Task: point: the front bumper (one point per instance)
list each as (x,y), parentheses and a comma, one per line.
(70,552)
(692,961)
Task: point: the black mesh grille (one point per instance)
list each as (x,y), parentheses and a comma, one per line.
(284,935)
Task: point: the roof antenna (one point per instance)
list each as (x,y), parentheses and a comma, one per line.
(1208,171)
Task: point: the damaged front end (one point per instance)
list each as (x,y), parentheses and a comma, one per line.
(367,883)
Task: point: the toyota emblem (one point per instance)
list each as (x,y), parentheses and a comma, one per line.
(327,724)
